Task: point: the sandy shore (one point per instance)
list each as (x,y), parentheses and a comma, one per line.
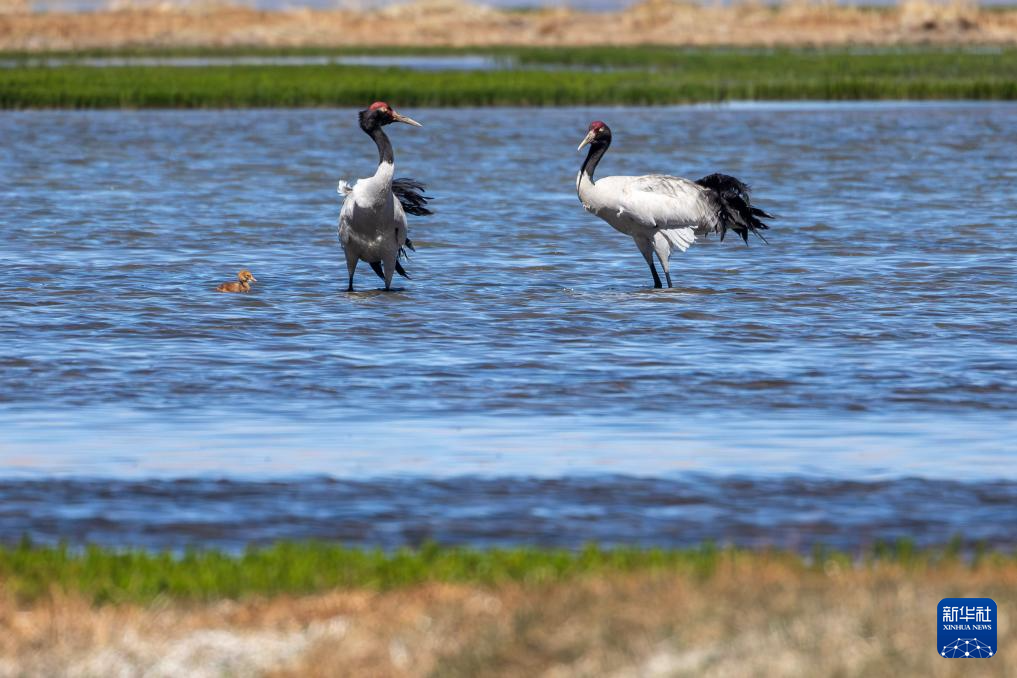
(454,23)
(758,620)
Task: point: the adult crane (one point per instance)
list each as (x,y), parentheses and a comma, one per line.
(372,222)
(663,213)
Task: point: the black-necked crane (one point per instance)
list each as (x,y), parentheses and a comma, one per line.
(372,223)
(664,213)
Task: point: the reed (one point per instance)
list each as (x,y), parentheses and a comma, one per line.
(102,575)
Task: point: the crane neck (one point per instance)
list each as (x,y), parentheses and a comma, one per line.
(385,154)
(596,152)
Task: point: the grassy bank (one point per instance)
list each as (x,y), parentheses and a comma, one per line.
(649,76)
(445,612)
(101,575)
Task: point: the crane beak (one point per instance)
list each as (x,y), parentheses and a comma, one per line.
(587,139)
(402,118)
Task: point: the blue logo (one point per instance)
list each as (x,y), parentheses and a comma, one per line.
(967,628)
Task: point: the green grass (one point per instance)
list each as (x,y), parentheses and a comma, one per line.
(649,75)
(29,572)
(903,61)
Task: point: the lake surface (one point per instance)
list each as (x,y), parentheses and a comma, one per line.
(849,375)
(464,62)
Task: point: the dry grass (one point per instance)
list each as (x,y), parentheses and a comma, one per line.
(748,619)
(211,23)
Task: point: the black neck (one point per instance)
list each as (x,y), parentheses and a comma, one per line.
(382,142)
(597,151)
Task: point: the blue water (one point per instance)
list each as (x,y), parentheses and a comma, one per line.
(871,341)
(465,62)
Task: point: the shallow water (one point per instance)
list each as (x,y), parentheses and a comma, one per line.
(465,62)
(870,340)
(791,513)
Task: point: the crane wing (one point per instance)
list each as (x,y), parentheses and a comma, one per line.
(665,202)
(676,208)
(346,214)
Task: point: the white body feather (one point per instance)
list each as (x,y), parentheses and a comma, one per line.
(660,213)
(372,223)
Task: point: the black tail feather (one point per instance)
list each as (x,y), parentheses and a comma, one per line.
(410,194)
(403,254)
(376,267)
(736,211)
(725,184)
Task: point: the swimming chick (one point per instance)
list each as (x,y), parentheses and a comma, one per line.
(245,277)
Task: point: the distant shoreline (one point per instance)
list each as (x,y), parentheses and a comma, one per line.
(459,24)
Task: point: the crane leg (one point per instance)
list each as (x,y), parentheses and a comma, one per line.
(656,278)
(351,266)
(647,252)
(665,263)
(389,267)
(653,271)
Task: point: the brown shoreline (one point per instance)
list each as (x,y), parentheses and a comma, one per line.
(761,620)
(457,24)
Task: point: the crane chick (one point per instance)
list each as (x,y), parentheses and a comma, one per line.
(243,283)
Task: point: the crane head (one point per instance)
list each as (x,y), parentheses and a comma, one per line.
(381,113)
(597,131)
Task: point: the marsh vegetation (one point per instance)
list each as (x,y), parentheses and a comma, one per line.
(542,77)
